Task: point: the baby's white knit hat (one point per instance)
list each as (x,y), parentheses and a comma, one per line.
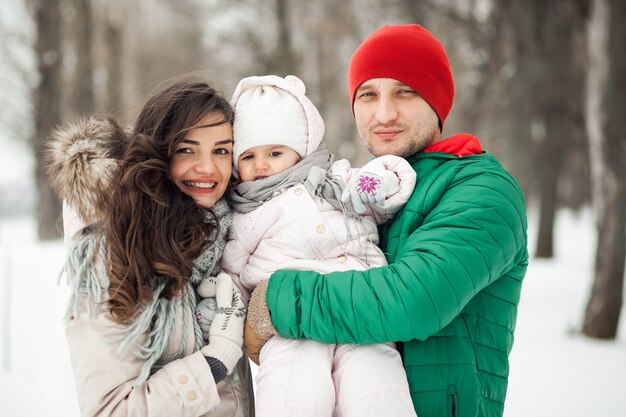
(270,110)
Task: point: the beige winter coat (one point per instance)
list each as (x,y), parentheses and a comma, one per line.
(184,387)
(82,161)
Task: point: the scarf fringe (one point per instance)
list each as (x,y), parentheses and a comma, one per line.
(86,273)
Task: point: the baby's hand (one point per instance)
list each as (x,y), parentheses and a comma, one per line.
(369,186)
(205,313)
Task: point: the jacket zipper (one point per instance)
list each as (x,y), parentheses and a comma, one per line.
(453,405)
(452,397)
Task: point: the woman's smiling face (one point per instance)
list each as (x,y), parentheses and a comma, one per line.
(201,165)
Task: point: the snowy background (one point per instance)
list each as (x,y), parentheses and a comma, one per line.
(554,370)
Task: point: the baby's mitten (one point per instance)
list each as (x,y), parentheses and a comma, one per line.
(205,313)
(371,185)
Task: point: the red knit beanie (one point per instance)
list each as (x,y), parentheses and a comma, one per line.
(410,54)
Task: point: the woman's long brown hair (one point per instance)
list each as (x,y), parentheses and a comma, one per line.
(155,230)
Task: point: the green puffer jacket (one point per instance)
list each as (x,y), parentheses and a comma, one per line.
(457,255)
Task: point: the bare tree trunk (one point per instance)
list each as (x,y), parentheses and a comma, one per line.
(109,56)
(483,117)
(515,126)
(283,61)
(414,11)
(113,58)
(555,98)
(47,97)
(83,101)
(550,171)
(331,30)
(606,116)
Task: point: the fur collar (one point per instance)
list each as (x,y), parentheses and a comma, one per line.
(82,160)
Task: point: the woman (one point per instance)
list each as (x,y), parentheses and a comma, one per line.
(156,226)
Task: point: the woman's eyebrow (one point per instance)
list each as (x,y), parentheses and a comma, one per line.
(195,142)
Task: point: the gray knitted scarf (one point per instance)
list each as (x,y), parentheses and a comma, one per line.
(312,171)
(86,271)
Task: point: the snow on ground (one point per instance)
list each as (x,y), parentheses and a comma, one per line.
(35,378)
(554,371)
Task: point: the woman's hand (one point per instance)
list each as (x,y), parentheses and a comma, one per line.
(258,328)
(226,330)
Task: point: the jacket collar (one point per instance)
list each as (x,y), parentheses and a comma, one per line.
(462,144)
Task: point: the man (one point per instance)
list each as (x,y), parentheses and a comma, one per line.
(457,251)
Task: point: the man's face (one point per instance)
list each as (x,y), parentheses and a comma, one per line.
(392,119)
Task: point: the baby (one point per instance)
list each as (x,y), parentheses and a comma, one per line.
(297,209)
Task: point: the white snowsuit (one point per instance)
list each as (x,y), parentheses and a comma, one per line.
(296,230)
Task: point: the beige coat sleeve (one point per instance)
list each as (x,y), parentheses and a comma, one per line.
(184,387)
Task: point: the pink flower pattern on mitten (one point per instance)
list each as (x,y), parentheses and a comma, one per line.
(367,184)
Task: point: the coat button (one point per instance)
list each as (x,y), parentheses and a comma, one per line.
(192,395)
(341,258)
(321,228)
(297,191)
(183,379)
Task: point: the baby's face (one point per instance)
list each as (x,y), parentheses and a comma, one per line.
(264,161)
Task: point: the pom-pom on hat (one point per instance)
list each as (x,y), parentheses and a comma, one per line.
(410,54)
(271,110)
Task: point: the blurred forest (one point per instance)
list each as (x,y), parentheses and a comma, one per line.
(542,84)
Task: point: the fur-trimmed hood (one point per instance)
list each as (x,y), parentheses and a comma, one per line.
(82,159)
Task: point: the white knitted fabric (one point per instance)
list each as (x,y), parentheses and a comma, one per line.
(270,110)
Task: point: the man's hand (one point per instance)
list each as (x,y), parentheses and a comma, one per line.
(258,327)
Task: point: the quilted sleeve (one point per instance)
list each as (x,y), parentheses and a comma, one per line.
(459,233)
